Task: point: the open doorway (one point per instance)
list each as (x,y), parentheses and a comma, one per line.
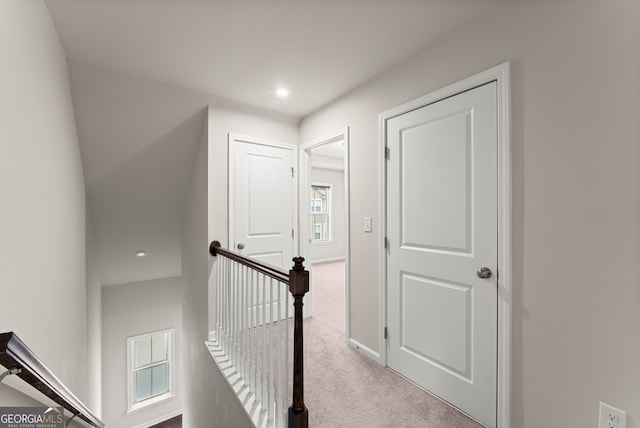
(324,207)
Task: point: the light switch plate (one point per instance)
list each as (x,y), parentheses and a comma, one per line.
(367,225)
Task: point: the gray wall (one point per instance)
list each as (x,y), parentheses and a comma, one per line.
(209,401)
(576,198)
(335,249)
(42,256)
(205,389)
(94,324)
(130,310)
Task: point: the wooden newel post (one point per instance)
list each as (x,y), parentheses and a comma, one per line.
(298,286)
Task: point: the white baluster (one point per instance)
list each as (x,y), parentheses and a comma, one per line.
(238,313)
(245,323)
(264,348)
(232,339)
(287,302)
(218,263)
(255,333)
(279,356)
(229,350)
(252,325)
(271,362)
(225,306)
(241,321)
(234,317)
(220,297)
(258,342)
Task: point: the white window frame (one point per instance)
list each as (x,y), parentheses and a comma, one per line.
(327,213)
(132,405)
(316,206)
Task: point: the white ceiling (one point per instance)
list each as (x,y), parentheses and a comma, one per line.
(244,49)
(141,72)
(138,141)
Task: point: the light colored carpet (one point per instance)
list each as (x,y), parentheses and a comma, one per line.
(344,389)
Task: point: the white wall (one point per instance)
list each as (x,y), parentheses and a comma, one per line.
(130,310)
(209,401)
(334,249)
(576,195)
(42,256)
(94,324)
(202,384)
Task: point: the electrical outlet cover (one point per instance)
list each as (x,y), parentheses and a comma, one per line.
(610,417)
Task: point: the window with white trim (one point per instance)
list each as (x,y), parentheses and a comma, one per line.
(149,368)
(320,213)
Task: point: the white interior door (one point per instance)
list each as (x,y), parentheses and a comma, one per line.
(442,228)
(262,196)
(262,200)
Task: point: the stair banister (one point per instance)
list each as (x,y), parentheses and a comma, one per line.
(19,360)
(298,281)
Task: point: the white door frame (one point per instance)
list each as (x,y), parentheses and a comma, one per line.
(500,74)
(304,226)
(232,140)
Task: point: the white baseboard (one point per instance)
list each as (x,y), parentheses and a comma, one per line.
(364,350)
(160,419)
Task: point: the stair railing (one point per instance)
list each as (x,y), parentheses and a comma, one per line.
(251,342)
(19,360)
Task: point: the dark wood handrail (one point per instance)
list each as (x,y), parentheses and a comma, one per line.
(298,281)
(17,357)
(267,269)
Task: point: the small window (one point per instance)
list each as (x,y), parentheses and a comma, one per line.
(316,205)
(320,213)
(149,368)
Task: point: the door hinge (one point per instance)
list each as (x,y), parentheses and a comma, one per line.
(386,243)
(293,171)
(386,333)
(293,233)
(387,153)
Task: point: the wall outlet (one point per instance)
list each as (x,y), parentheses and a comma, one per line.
(610,417)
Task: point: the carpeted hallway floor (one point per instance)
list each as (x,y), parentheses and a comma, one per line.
(344,389)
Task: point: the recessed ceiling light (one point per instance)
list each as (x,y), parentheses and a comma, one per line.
(282,92)
(141,253)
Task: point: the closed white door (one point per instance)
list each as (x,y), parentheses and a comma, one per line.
(442,226)
(262,209)
(261,216)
